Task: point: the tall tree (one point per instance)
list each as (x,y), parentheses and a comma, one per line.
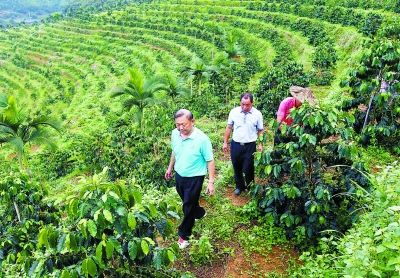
(140,91)
(18,129)
(197,72)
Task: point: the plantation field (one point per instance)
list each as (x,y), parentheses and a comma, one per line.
(87,97)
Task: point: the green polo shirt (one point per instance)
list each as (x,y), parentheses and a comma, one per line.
(192,153)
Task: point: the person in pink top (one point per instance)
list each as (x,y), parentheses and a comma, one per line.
(299,95)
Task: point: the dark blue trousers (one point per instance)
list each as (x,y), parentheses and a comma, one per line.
(189,189)
(243,163)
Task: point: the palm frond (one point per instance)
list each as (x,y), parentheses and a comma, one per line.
(129,103)
(137,78)
(45,121)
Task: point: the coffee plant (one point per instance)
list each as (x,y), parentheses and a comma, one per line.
(374,86)
(274,86)
(24,212)
(313,182)
(105,229)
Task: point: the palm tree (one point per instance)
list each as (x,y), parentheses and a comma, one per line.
(141,92)
(221,74)
(174,86)
(232,47)
(17,129)
(197,71)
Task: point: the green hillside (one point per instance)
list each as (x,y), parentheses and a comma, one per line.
(82,189)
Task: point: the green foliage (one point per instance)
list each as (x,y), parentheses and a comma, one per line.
(314,182)
(106,228)
(18,130)
(371,247)
(374,84)
(274,86)
(201,250)
(260,238)
(142,92)
(24,211)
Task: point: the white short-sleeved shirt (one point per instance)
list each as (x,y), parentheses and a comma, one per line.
(245,125)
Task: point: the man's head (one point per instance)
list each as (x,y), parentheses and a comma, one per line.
(184,121)
(246,102)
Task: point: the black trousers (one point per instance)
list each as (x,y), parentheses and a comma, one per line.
(189,189)
(243,163)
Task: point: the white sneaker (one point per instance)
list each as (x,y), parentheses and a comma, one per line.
(183,243)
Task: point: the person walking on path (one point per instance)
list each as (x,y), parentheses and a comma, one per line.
(247,124)
(191,158)
(299,96)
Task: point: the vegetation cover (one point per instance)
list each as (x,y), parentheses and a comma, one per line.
(101,81)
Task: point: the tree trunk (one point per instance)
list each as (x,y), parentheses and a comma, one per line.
(17,211)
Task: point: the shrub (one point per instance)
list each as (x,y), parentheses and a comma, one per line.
(306,191)
(374,84)
(106,230)
(274,86)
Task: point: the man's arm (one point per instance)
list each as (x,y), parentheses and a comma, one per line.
(227,134)
(168,173)
(211,177)
(260,139)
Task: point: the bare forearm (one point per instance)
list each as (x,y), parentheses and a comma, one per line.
(227,134)
(211,170)
(171,161)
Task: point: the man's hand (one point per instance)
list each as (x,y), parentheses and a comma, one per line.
(260,147)
(168,174)
(210,188)
(225,147)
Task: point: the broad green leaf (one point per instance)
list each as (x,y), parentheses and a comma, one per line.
(114,195)
(131,220)
(268,170)
(108,216)
(61,242)
(109,249)
(145,247)
(73,207)
(121,211)
(92,228)
(171,256)
(99,252)
(96,214)
(149,240)
(65,274)
(153,210)
(138,196)
(43,237)
(395,208)
(132,249)
(89,267)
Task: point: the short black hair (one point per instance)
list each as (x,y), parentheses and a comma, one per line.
(247,95)
(184,112)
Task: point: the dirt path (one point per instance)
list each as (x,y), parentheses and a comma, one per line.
(238,262)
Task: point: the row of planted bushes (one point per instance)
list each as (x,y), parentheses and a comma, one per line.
(371,247)
(363,4)
(101,228)
(367,22)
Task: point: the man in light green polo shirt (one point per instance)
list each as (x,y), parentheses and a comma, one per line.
(191,158)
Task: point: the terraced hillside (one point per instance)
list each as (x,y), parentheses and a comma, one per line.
(108,75)
(69,64)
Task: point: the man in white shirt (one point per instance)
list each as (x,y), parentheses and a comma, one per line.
(247,124)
